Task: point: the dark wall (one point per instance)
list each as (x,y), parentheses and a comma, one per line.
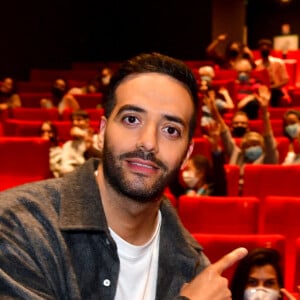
(52,34)
(265,17)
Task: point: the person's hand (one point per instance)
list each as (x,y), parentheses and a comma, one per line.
(213,136)
(209,284)
(263,96)
(223,91)
(222,37)
(289,295)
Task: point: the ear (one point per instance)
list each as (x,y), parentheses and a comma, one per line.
(102,129)
(188,154)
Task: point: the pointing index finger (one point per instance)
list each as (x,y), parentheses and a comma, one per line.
(229,259)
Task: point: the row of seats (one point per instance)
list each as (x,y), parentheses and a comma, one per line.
(202,146)
(24,128)
(244,215)
(32,99)
(44,114)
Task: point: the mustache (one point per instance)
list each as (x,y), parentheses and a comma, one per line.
(145,155)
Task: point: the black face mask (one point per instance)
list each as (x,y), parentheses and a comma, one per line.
(265,53)
(239,131)
(233,53)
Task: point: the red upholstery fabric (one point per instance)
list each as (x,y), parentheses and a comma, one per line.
(280,215)
(208,214)
(33,99)
(263,180)
(232,176)
(23,160)
(94,113)
(297,266)
(217,245)
(39,114)
(89,100)
(202,146)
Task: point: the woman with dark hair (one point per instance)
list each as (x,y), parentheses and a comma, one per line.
(258,276)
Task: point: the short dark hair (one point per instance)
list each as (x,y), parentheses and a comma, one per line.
(263,42)
(158,63)
(257,257)
(80,113)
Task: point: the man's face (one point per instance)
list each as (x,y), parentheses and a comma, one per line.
(80,122)
(146,136)
(240,121)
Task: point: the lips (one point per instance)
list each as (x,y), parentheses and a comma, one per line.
(142,166)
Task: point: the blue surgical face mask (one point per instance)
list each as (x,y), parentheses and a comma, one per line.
(261,294)
(292,130)
(206,78)
(243,77)
(253,153)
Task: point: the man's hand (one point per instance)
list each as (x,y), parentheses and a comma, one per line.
(210,284)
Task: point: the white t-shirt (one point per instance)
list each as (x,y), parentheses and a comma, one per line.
(138,267)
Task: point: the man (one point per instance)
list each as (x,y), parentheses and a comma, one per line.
(278,74)
(82,146)
(104,231)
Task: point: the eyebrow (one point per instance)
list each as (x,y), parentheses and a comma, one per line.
(135,108)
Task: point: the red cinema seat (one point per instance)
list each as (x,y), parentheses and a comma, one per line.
(35,113)
(23,160)
(280,215)
(219,214)
(33,99)
(94,113)
(89,100)
(278,180)
(232,177)
(202,146)
(217,245)
(297,266)
(21,128)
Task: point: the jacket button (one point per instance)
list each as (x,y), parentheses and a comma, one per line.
(106,282)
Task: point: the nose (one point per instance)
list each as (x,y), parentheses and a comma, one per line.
(148,138)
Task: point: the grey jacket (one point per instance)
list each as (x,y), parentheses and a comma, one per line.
(55,243)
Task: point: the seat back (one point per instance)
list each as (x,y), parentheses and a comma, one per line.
(23,160)
(217,245)
(278,180)
(38,114)
(280,215)
(219,214)
(232,177)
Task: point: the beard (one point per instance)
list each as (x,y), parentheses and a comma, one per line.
(138,189)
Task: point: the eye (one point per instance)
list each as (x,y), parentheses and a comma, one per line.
(131,120)
(172,131)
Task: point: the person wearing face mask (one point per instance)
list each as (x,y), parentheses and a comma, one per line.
(291,125)
(203,175)
(234,51)
(60,97)
(278,74)
(221,96)
(259,276)
(246,87)
(254,148)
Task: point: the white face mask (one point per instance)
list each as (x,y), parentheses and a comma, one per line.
(261,294)
(189,179)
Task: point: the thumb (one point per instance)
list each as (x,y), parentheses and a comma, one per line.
(229,259)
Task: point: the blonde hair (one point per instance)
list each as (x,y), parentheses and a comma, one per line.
(207,70)
(250,137)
